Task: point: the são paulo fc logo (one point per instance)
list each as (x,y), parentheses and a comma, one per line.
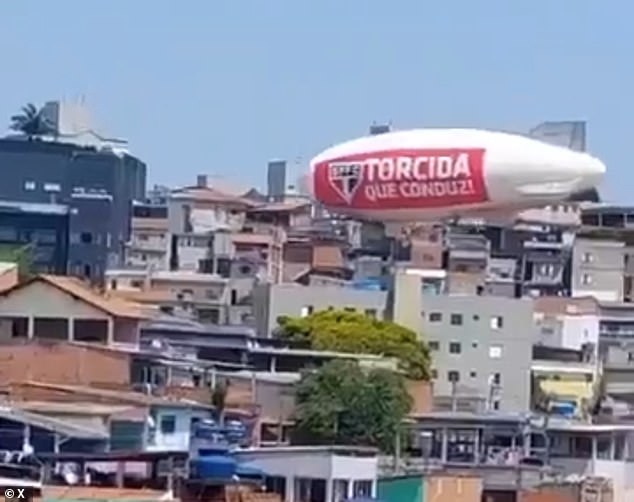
(345,178)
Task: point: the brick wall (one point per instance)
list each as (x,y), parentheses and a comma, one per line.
(61,363)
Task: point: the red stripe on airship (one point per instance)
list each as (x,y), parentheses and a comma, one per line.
(402,179)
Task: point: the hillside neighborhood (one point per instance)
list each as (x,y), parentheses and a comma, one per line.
(222,342)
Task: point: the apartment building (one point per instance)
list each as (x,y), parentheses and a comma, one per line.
(481,349)
(598,268)
(569,323)
(75,172)
(481,345)
(270,301)
(149,238)
(40,231)
(603,263)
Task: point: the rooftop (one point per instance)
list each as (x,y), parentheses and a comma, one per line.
(82,291)
(64,427)
(211,195)
(123,397)
(32,207)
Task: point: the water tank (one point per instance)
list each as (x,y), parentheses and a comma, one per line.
(214,467)
(368,284)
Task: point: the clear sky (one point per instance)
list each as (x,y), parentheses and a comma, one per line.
(221,86)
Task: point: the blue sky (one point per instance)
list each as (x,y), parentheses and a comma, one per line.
(221,86)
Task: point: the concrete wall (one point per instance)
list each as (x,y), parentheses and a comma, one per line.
(315,463)
(274,300)
(598,269)
(177,439)
(62,363)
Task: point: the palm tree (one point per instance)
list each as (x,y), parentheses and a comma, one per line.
(31,122)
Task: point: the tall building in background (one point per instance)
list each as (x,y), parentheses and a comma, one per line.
(276,180)
(95,178)
(379,129)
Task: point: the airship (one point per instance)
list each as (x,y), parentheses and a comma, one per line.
(438,174)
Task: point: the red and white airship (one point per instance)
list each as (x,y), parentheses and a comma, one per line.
(436,174)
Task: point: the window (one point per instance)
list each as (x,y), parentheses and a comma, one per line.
(586,279)
(143,237)
(85,238)
(362,488)
(307,310)
(476,317)
(136,284)
(29,185)
(587,257)
(434,346)
(496,379)
(435,317)
(349,309)
(456,319)
(497,322)
(168,424)
(113,284)
(473,374)
(453,376)
(455,348)
(474,345)
(495,351)
(434,373)
(52,187)
(234,296)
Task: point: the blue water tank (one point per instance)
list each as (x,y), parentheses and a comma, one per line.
(564,408)
(368,284)
(214,467)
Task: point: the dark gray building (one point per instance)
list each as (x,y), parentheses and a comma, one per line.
(276,180)
(98,186)
(376,129)
(39,230)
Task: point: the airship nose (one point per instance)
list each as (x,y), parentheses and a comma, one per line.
(591,170)
(588,172)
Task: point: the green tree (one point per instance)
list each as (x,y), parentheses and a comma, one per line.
(353,332)
(31,122)
(340,403)
(22,256)
(219,400)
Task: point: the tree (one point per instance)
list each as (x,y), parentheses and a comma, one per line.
(219,400)
(353,332)
(20,255)
(32,122)
(340,403)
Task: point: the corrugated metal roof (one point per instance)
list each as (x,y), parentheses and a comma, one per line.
(65,427)
(34,207)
